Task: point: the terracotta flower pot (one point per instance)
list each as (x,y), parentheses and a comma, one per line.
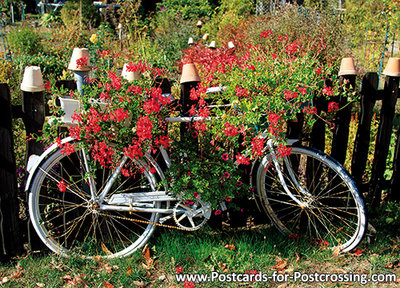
(392,67)
(80,60)
(33,80)
(129,75)
(189,73)
(347,67)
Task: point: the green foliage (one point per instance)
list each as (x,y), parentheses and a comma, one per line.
(70,13)
(171,34)
(25,40)
(51,66)
(187,9)
(208,174)
(364,21)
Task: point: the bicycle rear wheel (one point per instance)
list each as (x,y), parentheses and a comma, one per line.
(65,218)
(332,212)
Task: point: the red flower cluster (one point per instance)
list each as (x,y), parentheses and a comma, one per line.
(241,159)
(133,151)
(284,151)
(141,66)
(163,141)
(230,130)
(333,106)
(241,92)
(265,33)
(82,62)
(257,146)
(102,153)
(144,127)
(119,115)
(327,90)
(61,186)
(290,95)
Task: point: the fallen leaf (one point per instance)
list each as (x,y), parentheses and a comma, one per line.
(207,258)
(298,256)
(129,271)
(223,267)
(67,277)
(358,252)
(17,275)
(336,251)
(39,284)
(105,249)
(146,252)
(139,283)
(280,265)
(98,259)
(392,265)
(162,277)
(79,279)
(4,280)
(107,268)
(107,285)
(230,246)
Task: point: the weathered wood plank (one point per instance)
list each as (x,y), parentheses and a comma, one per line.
(10,236)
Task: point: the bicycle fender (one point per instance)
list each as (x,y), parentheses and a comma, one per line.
(35,161)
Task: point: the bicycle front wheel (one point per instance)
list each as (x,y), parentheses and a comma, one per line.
(66,218)
(329,208)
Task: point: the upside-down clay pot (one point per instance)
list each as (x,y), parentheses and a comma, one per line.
(33,80)
(392,67)
(189,73)
(347,67)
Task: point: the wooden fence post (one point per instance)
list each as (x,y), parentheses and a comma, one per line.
(361,145)
(389,100)
(10,237)
(318,130)
(394,194)
(342,121)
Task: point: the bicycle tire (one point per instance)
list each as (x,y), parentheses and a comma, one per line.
(334,214)
(67,223)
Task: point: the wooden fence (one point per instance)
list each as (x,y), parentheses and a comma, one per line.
(33,114)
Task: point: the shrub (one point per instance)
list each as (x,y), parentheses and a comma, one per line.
(187,9)
(70,13)
(25,41)
(51,66)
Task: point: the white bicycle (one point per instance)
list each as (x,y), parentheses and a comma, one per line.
(80,211)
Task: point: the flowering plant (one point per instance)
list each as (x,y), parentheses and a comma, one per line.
(266,84)
(119,117)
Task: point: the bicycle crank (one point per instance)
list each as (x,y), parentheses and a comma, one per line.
(191,216)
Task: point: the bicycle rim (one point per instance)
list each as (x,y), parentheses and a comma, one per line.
(65,220)
(331,212)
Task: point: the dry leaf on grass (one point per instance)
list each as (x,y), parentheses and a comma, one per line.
(230,246)
(280,265)
(40,284)
(105,249)
(395,264)
(139,283)
(223,267)
(129,271)
(146,252)
(107,285)
(17,275)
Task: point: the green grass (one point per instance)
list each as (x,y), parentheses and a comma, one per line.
(204,251)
